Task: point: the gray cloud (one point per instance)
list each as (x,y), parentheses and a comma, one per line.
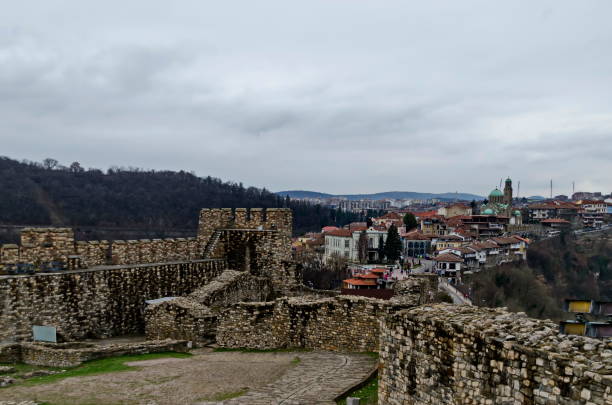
(332,96)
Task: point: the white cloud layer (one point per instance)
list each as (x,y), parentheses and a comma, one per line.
(338,96)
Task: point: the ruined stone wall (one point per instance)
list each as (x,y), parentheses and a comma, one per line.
(46,244)
(154,251)
(263,253)
(9,254)
(445,354)
(194,317)
(280,219)
(343,323)
(57,244)
(102,302)
(74,354)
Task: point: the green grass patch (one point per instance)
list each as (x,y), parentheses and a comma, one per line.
(373,355)
(296,360)
(26,368)
(246,350)
(368,394)
(93,367)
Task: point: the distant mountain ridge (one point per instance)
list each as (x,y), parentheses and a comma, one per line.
(399,195)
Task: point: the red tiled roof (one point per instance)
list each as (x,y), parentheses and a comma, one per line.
(367,276)
(553,205)
(415,235)
(448,257)
(378,270)
(450,237)
(345,233)
(426,214)
(391,215)
(505,240)
(583,202)
(329,228)
(555,221)
(354,281)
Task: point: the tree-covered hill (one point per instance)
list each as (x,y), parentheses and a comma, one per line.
(156,202)
(556,269)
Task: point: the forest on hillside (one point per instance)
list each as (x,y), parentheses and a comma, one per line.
(148,203)
(556,269)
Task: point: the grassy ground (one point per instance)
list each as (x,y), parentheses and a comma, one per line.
(100,366)
(368,394)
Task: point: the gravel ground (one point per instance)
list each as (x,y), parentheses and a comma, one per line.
(168,381)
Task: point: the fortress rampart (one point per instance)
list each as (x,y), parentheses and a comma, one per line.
(342,323)
(97,303)
(194,317)
(445,354)
(46,245)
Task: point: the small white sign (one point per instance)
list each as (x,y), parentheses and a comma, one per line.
(44,333)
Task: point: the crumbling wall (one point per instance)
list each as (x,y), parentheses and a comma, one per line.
(445,354)
(46,244)
(102,302)
(194,317)
(343,323)
(74,354)
(57,244)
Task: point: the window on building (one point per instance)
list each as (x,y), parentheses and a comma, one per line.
(346,243)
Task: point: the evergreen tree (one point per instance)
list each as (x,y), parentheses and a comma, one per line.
(393,247)
(410,221)
(381,249)
(362,247)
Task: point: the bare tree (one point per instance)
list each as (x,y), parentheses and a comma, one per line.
(50,163)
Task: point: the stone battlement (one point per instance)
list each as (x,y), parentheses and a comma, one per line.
(46,245)
(445,354)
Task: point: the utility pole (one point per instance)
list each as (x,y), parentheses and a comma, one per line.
(518,189)
(551,196)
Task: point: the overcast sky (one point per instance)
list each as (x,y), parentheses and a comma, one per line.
(327,95)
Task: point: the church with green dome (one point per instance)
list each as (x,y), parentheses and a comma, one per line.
(500,203)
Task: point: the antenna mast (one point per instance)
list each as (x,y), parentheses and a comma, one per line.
(518,189)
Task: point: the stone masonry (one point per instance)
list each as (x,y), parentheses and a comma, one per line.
(342,323)
(194,317)
(101,302)
(445,354)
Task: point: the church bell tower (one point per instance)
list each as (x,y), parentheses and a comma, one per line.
(508,192)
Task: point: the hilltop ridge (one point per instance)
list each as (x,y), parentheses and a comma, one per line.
(382,195)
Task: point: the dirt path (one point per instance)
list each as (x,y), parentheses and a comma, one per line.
(167,381)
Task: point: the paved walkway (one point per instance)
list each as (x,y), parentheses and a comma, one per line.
(317,379)
(455,294)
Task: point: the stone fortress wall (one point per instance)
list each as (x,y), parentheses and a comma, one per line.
(445,354)
(429,353)
(96,303)
(107,300)
(342,323)
(58,244)
(195,316)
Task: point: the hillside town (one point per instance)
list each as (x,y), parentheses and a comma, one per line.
(451,238)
